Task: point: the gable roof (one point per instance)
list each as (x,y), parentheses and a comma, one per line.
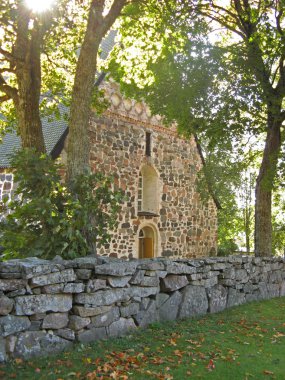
(54,131)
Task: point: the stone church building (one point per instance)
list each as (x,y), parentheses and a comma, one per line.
(163,214)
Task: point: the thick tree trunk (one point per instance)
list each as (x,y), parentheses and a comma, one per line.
(30,126)
(78,138)
(263,190)
(28,72)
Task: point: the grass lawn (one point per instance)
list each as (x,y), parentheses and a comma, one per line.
(243,343)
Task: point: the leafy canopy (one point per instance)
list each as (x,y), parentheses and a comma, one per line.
(218,89)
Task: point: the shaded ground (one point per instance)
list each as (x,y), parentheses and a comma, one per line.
(246,342)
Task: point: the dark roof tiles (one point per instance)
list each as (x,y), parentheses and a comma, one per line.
(52,130)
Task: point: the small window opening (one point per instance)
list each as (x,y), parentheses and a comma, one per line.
(148,144)
(140,191)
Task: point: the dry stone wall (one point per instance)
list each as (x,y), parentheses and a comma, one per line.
(46,306)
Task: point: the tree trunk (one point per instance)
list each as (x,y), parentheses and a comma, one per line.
(247,228)
(28,72)
(263,189)
(78,138)
(30,126)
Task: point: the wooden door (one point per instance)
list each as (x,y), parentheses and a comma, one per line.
(148,247)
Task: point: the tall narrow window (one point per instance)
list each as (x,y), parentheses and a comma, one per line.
(148,190)
(140,190)
(148,144)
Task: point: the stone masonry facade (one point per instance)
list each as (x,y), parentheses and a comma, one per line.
(7,187)
(181,224)
(6,184)
(46,306)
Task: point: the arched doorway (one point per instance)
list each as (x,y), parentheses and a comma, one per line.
(147,243)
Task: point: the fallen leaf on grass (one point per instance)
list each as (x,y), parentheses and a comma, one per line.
(162,376)
(115,375)
(157,360)
(64,363)
(167,377)
(172,342)
(268,372)
(278,335)
(211,365)
(178,353)
(91,375)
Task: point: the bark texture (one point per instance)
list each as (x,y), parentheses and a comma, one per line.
(78,141)
(264,186)
(28,72)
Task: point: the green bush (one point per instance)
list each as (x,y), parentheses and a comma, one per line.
(47,218)
(227,248)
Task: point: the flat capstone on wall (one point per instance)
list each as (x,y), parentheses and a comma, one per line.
(46,306)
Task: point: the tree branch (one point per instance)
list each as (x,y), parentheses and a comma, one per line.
(224,22)
(6,70)
(280,88)
(10,91)
(278,18)
(7,55)
(4,98)
(114,12)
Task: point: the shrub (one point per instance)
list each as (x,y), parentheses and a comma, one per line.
(46,218)
(227,248)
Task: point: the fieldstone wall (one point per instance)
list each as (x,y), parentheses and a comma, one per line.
(7,188)
(46,306)
(6,184)
(184,226)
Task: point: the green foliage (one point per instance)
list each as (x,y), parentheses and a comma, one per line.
(278,225)
(58,59)
(98,101)
(220,89)
(47,219)
(278,237)
(227,247)
(223,175)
